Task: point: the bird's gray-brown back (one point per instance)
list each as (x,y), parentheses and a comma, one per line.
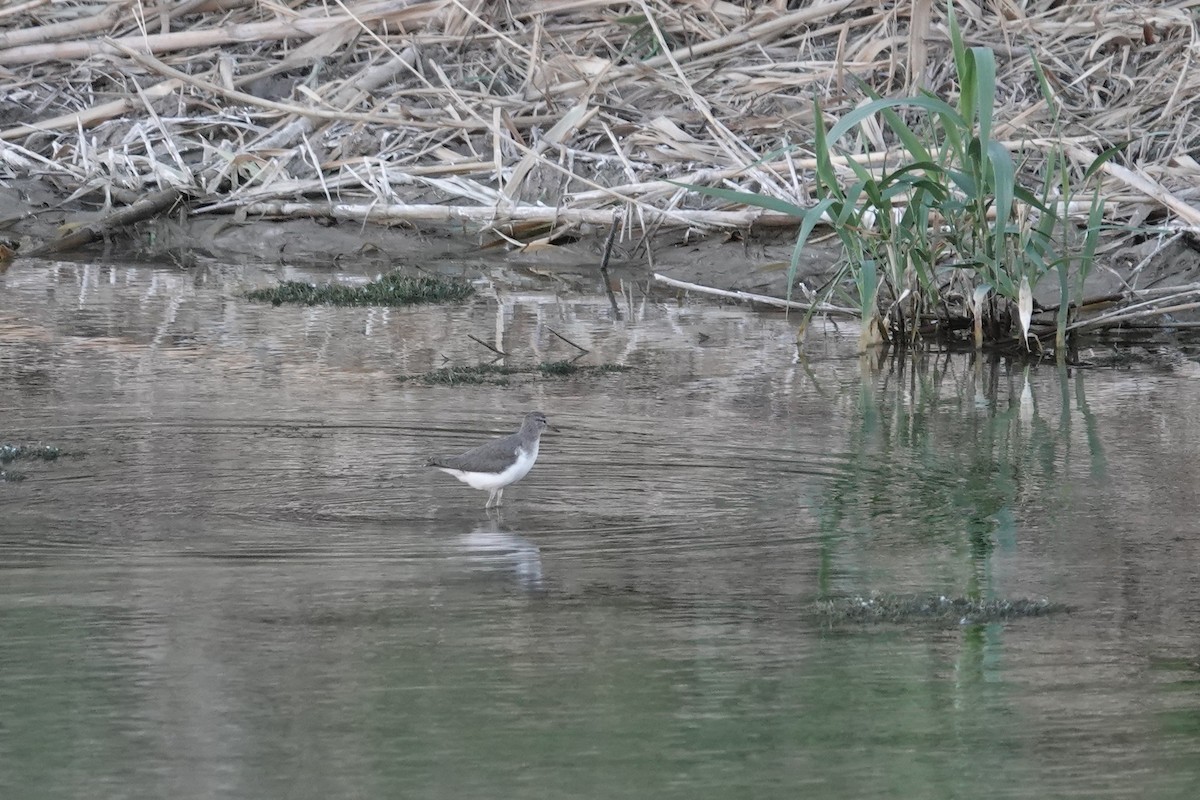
(493,456)
(497,455)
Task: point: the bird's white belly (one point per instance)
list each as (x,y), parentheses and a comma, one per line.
(498,480)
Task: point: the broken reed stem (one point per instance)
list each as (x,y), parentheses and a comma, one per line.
(608,248)
(1137,311)
(1141,182)
(152,206)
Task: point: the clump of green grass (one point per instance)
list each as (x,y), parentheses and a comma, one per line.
(496,375)
(940,610)
(392,289)
(959,231)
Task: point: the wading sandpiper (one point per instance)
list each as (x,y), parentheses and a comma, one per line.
(499,463)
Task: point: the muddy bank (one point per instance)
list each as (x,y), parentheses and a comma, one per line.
(754,260)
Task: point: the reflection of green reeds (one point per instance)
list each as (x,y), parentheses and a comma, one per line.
(944,460)
(392,289)
(953,233)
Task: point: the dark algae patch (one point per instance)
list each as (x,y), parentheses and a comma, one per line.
(453,376)
(14,452)
(496,375)
(564,368)
(935,610)
(27,452)
(392,289)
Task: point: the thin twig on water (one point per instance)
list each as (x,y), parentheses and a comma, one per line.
(584,350)
(500,353)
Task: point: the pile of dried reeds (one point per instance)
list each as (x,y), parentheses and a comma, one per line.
(530,117)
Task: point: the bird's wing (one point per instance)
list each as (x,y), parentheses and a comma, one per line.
(490,457)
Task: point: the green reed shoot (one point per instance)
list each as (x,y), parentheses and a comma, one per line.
(956,221)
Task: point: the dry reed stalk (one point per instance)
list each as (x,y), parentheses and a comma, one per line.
(566,110)
(381,12)
(1141,182)
(487,216)
(17,9)
(61,30)
(92,116)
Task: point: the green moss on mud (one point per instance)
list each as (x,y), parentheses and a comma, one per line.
(392,289)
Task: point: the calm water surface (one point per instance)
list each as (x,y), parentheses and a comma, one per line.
(244,585)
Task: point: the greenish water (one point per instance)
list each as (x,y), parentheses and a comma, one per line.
(243,584)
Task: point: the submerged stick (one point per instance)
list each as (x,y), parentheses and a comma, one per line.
(825,308)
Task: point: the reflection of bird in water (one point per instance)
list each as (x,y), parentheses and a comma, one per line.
(488,546)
